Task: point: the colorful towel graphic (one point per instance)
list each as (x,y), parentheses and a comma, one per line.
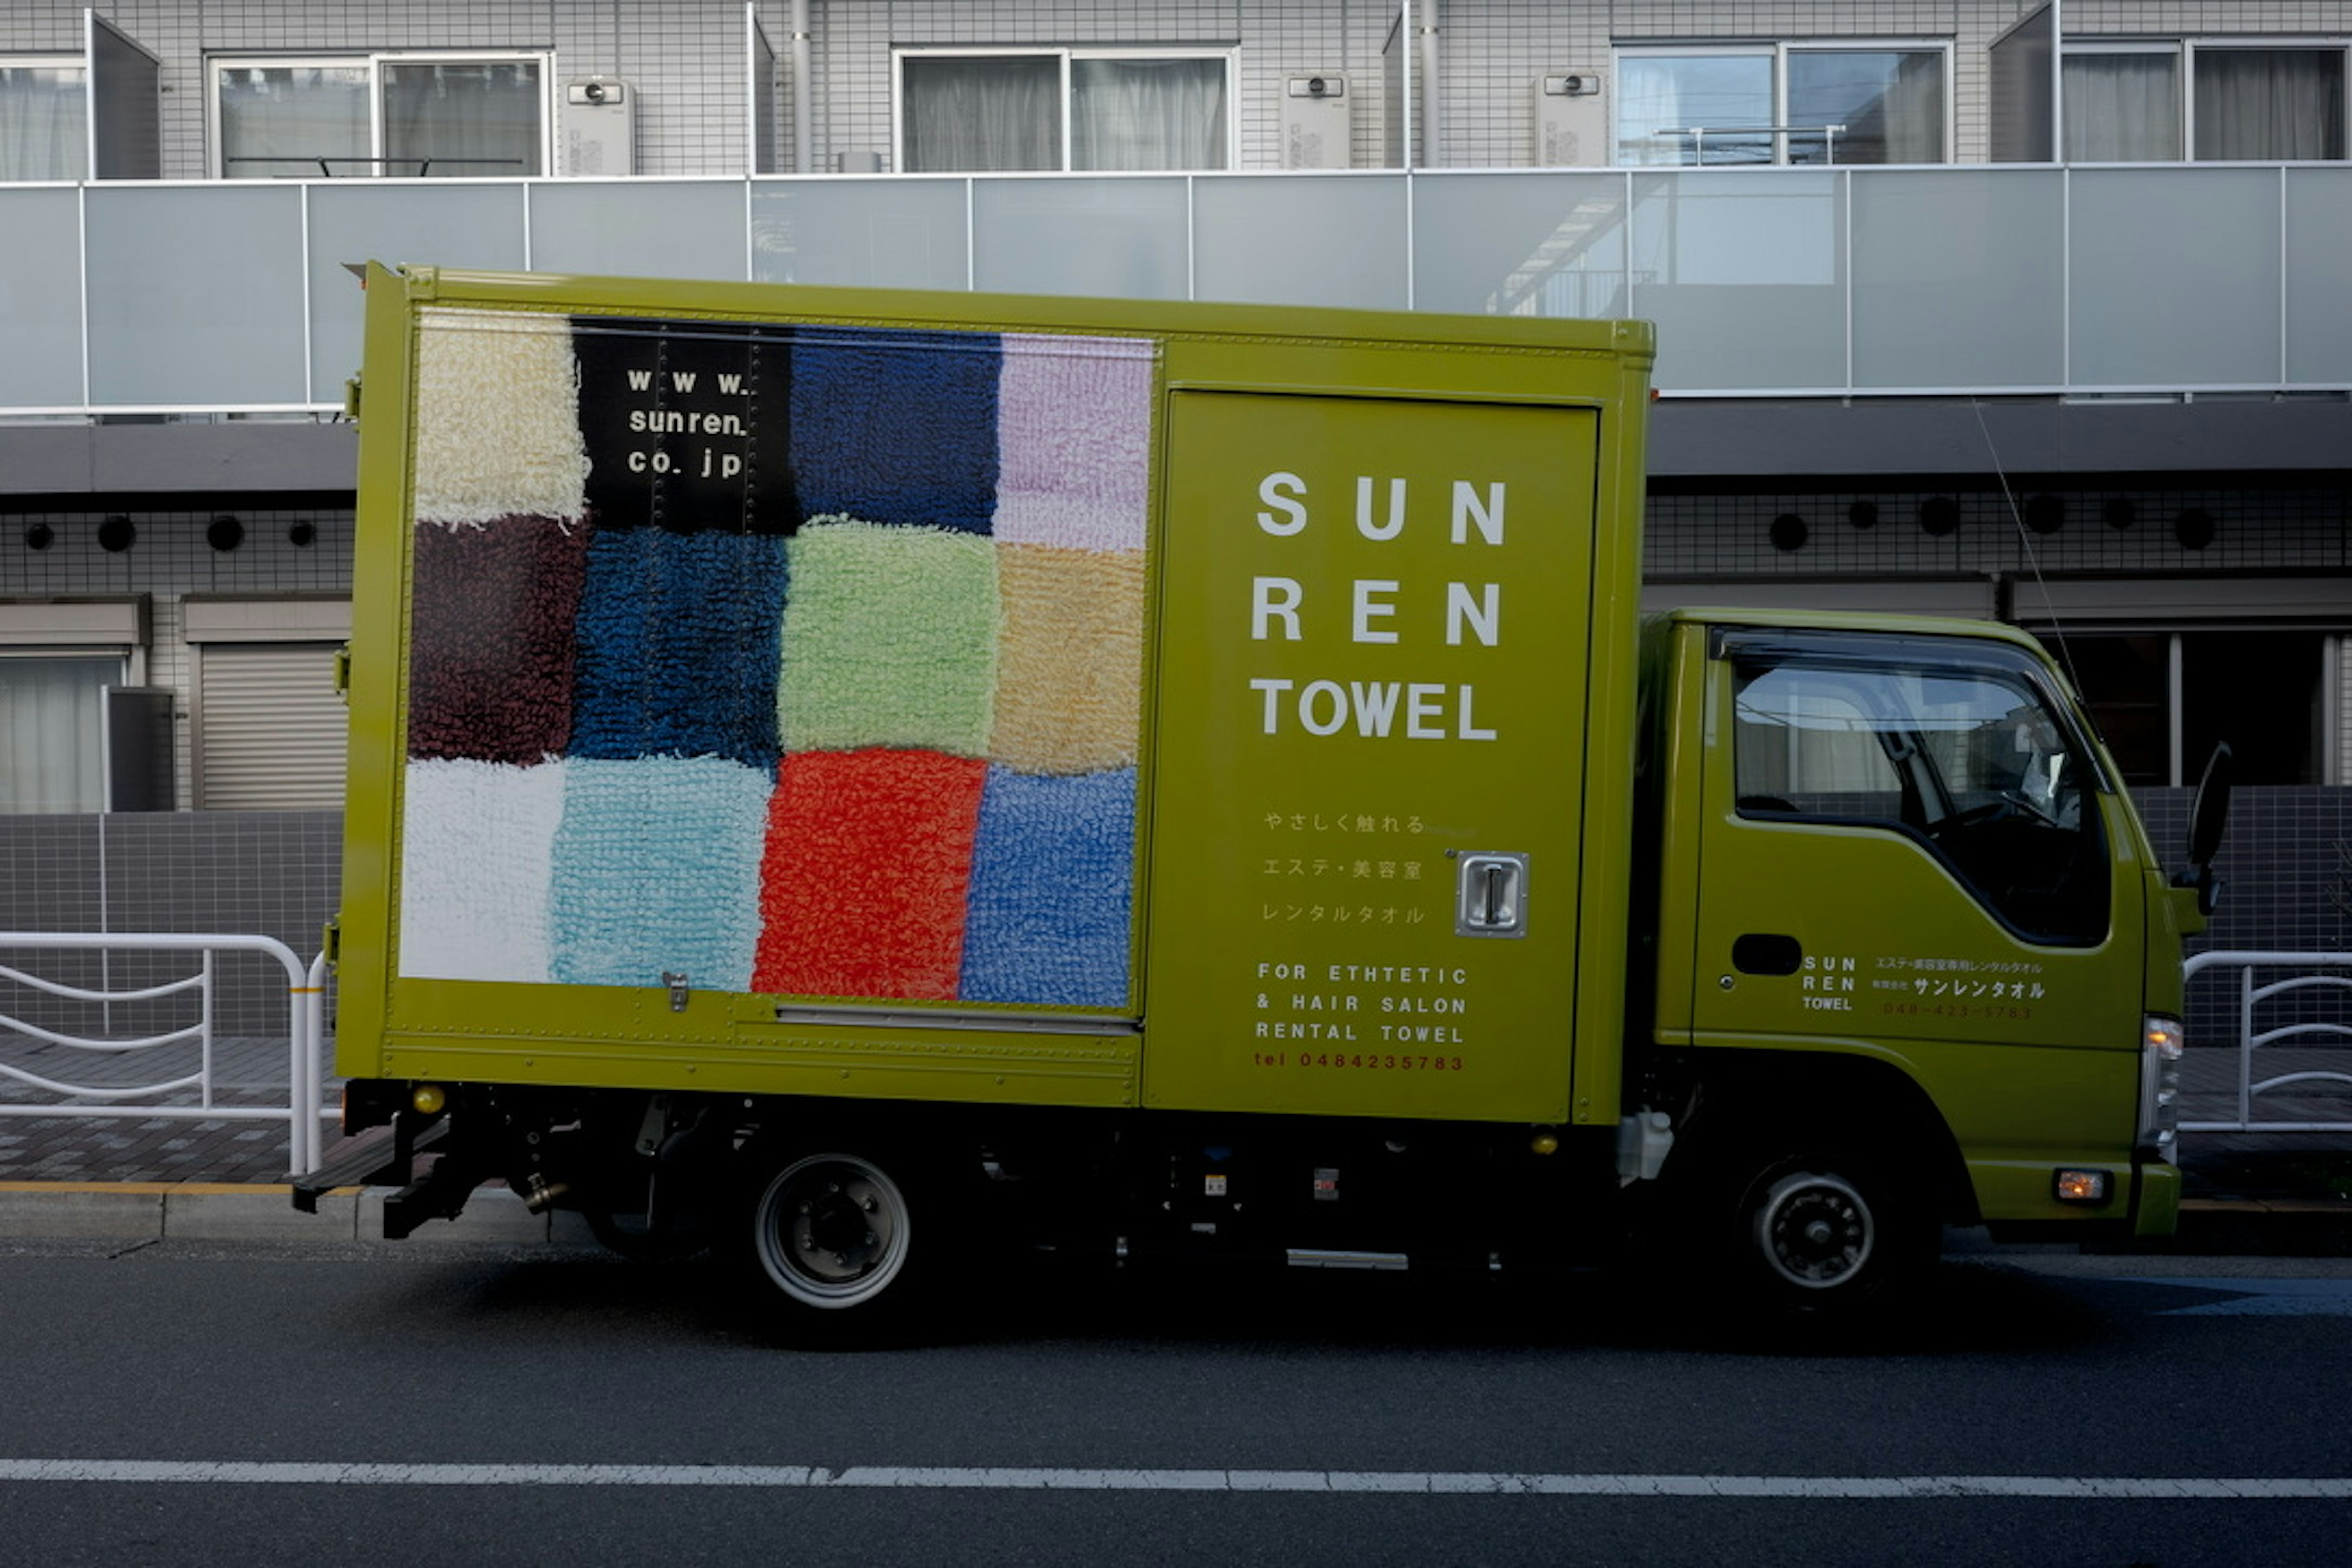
(889,639)
(479,846)
(1075,430)
(895,426)
(1052,871)
(497,418)
(1069,681)
(656,870)
(825,681)
(490,672)
(677,638)
(687,421)
(869,861)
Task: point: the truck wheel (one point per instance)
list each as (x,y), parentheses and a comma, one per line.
(832,1241)
(1825,1233)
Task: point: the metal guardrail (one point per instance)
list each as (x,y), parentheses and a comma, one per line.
(305,988)
(2250,995)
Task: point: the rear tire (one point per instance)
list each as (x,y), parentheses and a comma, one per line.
(834,1249)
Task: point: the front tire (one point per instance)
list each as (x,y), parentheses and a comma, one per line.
(1824,1234)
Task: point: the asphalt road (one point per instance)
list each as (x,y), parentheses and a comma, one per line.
(190,1404)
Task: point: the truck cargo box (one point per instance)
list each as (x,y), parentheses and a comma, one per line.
(778,691)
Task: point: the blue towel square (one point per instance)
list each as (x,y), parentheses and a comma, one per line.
(678,651)
(1052,880)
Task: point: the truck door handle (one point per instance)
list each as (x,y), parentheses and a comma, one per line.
(1490,896)
(1765,952)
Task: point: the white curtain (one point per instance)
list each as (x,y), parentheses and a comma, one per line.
(279,120)
(461,118)
(2122,107)
(41,124)
(2270,104)
(50,756)
(1148,114)
(974,114)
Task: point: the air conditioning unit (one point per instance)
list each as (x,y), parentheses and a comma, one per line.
(597,132)
(1316,120)
(1571,120)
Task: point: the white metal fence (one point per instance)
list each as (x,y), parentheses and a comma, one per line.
(168,1072)
(2292,1008)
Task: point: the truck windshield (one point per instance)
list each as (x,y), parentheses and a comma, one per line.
(1971,759)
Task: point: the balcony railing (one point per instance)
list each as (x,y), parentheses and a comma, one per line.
(192,298)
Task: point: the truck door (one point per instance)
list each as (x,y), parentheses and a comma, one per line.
(1908,848)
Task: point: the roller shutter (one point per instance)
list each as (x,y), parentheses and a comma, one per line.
(271,727)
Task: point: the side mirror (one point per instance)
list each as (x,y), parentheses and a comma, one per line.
(2207,818)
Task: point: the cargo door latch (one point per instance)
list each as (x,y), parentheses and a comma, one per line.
(1490,893)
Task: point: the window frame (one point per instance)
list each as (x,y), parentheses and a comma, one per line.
(1779,52)
(374,61)
(1062,54)
(2183,52)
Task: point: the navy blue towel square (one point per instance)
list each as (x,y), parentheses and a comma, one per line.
(896,427)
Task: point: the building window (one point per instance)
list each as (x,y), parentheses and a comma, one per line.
(2160,102)
(52,718)
(979,111)
(1783,103)
(402,115)
(2163,700)
(44,125)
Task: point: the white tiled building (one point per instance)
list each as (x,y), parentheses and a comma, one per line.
(2033,309)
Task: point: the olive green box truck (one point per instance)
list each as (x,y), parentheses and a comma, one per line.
(839,775)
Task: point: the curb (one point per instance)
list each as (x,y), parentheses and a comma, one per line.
(221,1211)
(2284,1227)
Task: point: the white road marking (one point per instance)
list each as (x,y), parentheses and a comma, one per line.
(153,1472)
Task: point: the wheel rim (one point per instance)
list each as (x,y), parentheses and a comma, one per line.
(832,1231)
(1815,1230)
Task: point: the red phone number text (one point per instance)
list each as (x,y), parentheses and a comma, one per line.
(1364,1061)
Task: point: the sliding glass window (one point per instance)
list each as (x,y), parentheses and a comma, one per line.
(1783,103)
(349,116)
(2159,102)
(966,111)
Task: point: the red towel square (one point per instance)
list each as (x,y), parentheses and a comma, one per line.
(862,886)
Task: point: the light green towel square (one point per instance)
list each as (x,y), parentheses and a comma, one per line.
(889,639)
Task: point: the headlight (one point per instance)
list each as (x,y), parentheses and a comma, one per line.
(2160,1087)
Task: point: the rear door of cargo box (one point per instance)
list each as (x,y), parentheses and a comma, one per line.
(1372,695)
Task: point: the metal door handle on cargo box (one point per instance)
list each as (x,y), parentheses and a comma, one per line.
(1490,894)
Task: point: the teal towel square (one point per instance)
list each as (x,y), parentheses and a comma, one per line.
(656,870)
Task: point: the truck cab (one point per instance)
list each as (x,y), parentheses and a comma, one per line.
(1915,959)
